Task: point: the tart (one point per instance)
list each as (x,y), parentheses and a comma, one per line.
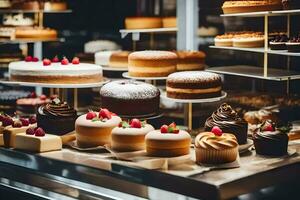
(130,136)
(169,141)
(94,128)
(224,40)
(216,147)
(250,40)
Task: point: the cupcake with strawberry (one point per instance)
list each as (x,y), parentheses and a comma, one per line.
(169,141)
(94,128)
(130,135)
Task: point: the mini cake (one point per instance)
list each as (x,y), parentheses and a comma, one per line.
(216,147)
(130,136)
(12,127)
(35,33)
(224,40)
(28,106)
(190,60)
(94,128)
(278,43)
(242,6)
(169,22)
(250,40)
(36,140)
(130,98)
(293,45)
(17,20)
(143,22)
(151,63)
(55,5)
(193,85)
(270,141)
(228,120)
(54,71)
(169,141)
(56,117)
(119,59)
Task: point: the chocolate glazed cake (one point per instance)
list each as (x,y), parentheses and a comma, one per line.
(193,85)
(228,120)
(56,118)
(130,98)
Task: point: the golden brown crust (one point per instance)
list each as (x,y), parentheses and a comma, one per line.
(35,33)
(167,152)
(92,136)
(143,22)
(119,59)
(169,22)
(249,6)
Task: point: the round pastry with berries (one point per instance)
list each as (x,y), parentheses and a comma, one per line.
(130,98)
(279,42)
(169,141)
(293,45)
(130,136)
(54,71)
(56,117)
(270,140)
(94,128)
(216,147)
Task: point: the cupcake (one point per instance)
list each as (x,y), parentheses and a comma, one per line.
(169,141)
(229,121)
(216,147)
(56,117)
(130,136)
(94,128)
(271,141)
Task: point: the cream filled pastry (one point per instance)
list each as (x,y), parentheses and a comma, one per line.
(216,147)
(229,121)
(130,136)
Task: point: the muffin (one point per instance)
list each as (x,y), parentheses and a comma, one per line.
(216,147)
(130,136)
(270,141)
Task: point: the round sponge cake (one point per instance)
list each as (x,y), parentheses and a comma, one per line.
(143,22)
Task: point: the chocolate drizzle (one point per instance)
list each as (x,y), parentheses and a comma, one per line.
(58,109)
(229,121)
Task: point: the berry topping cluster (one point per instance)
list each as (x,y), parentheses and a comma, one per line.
(104,115)
(38,132)
(31,59)
(134,123)
(268,125)
(64,61)
(172,128)
(17,123)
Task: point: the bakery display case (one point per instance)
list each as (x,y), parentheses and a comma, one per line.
(160,115)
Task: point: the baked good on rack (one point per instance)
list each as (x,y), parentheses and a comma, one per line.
(270,141)
(258,117)
(242,6)
(169,141)
(209,31)
(216,147)
(228,120)
(62,72)
(248,40)
(130,136)
(119,59)
(17,20)
(169,22)
(94,128)
(278,43)
(35,33)
(293,45)
(190,60)
(5,4)
(143,22)
(36,140)
(193,85)
(7,32)
(28,106)
(151,63)
(26,4)
(54,5)
(224,40)
(56,117)
(8,99)
(130,98)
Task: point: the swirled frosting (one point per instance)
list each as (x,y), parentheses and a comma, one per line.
(270,135)
(229,121)
(208,140)
(58,109)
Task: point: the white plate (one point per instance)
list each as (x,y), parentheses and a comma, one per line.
(126,75)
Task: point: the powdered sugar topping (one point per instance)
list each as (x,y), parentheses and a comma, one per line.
(193,76)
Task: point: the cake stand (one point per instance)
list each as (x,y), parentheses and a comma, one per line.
(115,69)
(189,103)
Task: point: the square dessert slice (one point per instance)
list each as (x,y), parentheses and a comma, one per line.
(35,143)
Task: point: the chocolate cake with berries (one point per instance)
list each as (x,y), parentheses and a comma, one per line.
(293,45)
(56,117)
(279,42)
(130,98)
(193,85)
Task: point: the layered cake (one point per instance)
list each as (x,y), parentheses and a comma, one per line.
(17,20)
(242,6)
(216,147)
(130,136)
(250,40)
(169,141)
(143,22)
(270,141)
(54,72)
(94,128)
(293,45)
(36,140)
(130,98)
(169,22)
(190,60)
(193,85)
(28,106)
(54,5)
(56,117)
(278,43)
(119,59)
(151,63)
(35,33)
(228,120)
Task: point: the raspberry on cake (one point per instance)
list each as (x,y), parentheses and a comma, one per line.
(130,136)
(193,85)
(151,63)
